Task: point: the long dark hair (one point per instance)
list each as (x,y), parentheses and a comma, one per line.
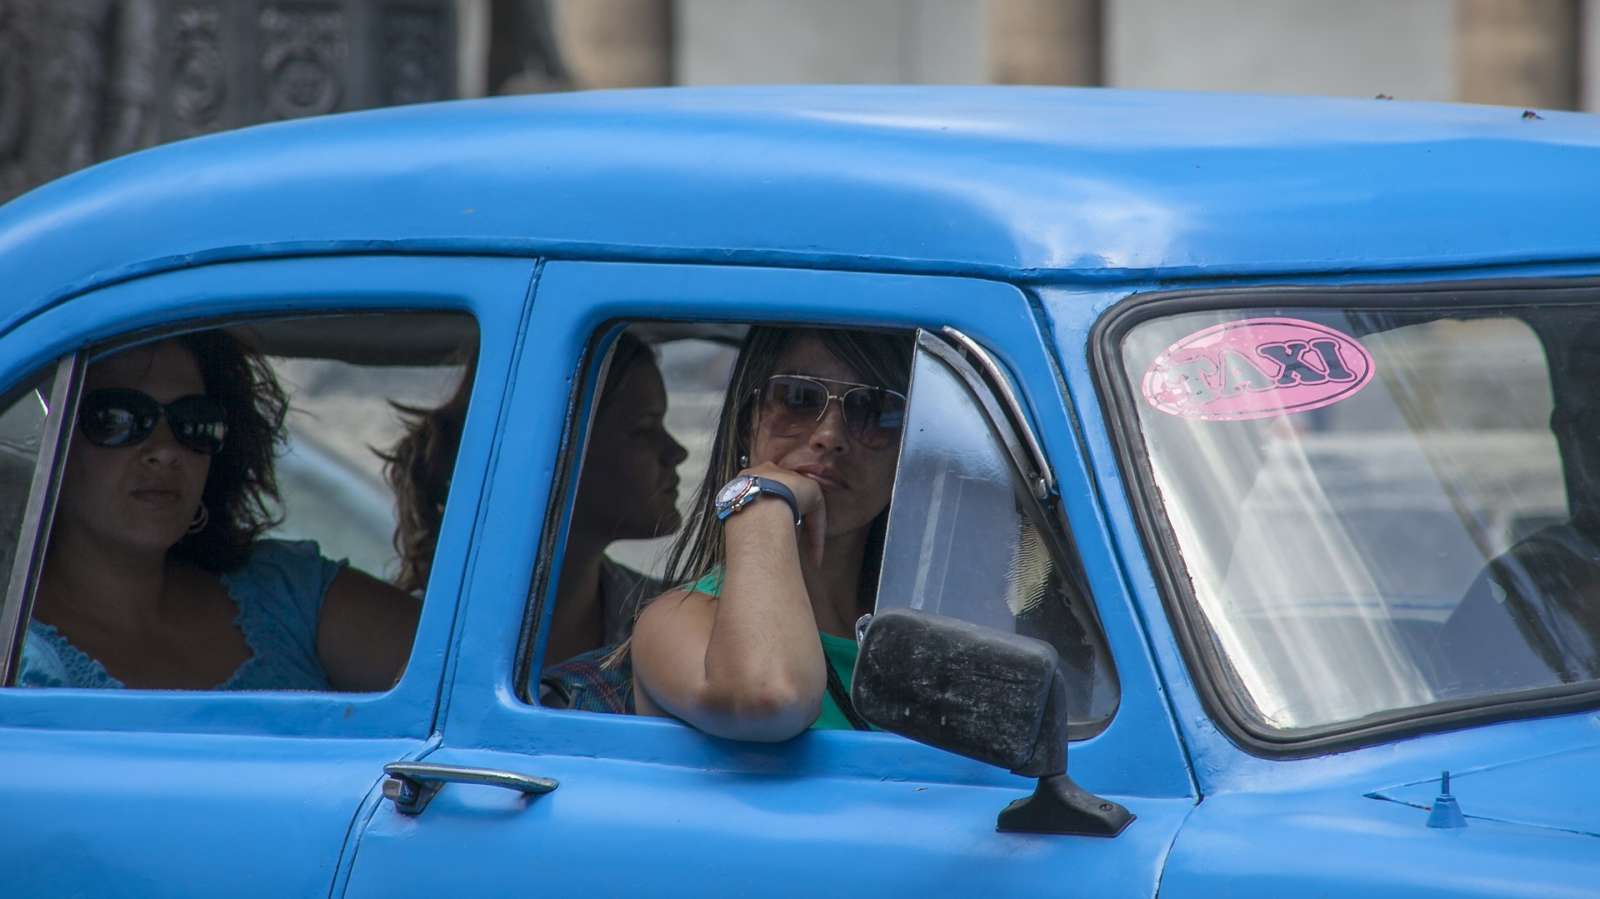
(241,492)
(419,465)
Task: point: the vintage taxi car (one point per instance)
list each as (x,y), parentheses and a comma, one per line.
(1252,449)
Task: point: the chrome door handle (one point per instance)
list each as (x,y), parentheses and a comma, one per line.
(412,785)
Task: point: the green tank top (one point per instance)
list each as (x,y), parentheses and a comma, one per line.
(840,652)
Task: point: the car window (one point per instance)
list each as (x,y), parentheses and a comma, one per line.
(221,517)
(344,420)
(955,540)
(1376,509)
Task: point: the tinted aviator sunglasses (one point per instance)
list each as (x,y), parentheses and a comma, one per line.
(118,417)
(872,415)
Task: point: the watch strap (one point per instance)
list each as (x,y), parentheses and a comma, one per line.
(776,488)
(752,491)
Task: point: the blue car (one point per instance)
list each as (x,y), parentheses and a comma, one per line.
(1244,540)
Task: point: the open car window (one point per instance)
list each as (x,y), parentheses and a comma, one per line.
(1377,509)
(963,535)
(273,440)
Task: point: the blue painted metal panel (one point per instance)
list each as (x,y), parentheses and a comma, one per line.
(1266,845)
(1555,789)
(133,792)
(883,810)
(615,828)
(1137,754)
(1004,182)
(94,813)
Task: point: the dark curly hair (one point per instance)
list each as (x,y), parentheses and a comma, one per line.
(418,469)
(241,492)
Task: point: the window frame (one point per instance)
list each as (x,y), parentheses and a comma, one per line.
(493,291)
(1205,661)
(1139,752)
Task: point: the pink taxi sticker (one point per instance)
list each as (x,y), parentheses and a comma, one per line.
(1257,368)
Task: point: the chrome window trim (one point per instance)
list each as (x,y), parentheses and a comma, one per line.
(1042,479)
(39,514)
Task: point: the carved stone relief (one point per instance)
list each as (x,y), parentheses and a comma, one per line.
(132,79)
(411,59)
(14,99)
(198,89)
(302,58)
(67,81)
(84,80)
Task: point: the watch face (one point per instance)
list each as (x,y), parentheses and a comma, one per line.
(731,490)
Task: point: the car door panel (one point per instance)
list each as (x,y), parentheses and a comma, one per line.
(202,793)
(621,827)
(646,804)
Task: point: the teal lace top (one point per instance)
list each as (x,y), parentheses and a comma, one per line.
(279,592)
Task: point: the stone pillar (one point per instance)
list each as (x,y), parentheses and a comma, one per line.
(615,43)
(1046,41)
(1518,52)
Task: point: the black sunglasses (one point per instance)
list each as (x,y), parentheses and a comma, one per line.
(116,417)
(872,415)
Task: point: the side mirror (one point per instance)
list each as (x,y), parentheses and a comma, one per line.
(995,697)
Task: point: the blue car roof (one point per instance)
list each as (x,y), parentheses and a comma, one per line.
(1027,184)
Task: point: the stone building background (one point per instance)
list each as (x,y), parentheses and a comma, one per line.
(84,80)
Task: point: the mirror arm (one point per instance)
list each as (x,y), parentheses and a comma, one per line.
(1058,805)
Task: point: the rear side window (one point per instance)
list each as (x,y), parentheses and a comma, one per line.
(222,513)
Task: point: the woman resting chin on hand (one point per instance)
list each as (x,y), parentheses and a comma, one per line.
(780,558)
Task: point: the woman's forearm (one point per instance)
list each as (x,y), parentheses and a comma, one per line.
(763,660)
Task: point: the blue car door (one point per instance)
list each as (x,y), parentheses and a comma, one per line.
(194,793)
(557,802)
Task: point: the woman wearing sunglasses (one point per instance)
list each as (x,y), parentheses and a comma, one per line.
(780,557)
(156,575)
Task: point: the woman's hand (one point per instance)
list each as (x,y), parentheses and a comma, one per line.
(813,510)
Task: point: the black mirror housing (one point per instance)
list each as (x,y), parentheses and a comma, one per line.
(996,697)
(966,689)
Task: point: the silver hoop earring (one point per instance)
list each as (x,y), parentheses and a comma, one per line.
(744,461)
(202,517)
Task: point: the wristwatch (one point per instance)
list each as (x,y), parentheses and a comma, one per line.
(746,489)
